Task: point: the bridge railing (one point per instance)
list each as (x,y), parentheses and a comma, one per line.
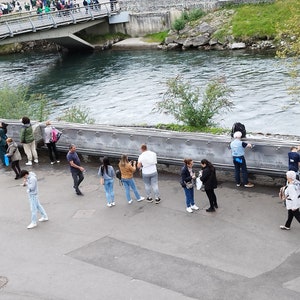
(33,22)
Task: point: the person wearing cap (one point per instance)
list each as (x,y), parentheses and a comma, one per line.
(292,197)
(238,151)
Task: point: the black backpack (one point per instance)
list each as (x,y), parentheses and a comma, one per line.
(238,127)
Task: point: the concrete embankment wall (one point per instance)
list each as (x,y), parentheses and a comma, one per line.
(267,161)
(149,16)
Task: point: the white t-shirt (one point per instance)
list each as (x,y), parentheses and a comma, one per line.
(148,160)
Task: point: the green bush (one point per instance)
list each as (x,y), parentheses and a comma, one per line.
(77,114)
(17,102)
(187,16)
(193,107)
(178,24)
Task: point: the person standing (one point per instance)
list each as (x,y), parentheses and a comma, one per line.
(294,160)
(27,139)
(147,161)
(209,179)
(3,137)
(292,194)
(75,168)
(30,181)
(188,177)
(127,169)
(107,174)
(238,151)
(15,156)
(50,144)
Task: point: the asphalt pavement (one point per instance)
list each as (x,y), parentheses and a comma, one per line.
(144,251)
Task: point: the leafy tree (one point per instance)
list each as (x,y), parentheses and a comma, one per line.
(16,102)
(191,106)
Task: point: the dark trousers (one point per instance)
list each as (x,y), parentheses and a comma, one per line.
(291,215)
(52,149)
(237,167)
(16,167)
(212,198)
(77,178)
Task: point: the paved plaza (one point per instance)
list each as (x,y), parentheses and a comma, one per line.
(144,251)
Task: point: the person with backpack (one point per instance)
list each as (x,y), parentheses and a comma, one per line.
(51,144)
(292,197)
(107,174)
(238,151)
(27,139)
(3,137)
(127,170)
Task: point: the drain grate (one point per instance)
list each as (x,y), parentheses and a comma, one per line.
(3,281)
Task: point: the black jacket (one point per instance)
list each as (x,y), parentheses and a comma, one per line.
(185,176)
(209,178)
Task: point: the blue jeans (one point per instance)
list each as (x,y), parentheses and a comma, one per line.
(36,206)
(151,182)
(189,197)
(109,190)
(240,163)
(129,183)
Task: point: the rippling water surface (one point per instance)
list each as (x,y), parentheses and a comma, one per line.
(122,87)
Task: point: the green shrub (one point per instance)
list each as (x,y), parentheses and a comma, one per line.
(77,114)
(193,107)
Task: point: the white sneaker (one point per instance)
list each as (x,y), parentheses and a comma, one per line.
(189,209)
(29,163)
(141,199)
(113,203)
(31,225)
(194,207)
(130,201)
(58,161)
(109,204)
(36,161)
(43,219)
(52,163)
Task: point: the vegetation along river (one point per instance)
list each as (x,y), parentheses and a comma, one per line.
(122,87)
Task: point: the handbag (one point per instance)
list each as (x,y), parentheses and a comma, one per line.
(189,184)
(282,193)
(198,183)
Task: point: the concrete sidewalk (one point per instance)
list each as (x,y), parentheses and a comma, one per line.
(144,251)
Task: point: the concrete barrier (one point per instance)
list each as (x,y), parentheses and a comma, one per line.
(268,157)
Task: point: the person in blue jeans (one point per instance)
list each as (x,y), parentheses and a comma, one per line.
(188,176)
(107,174)
(238,151)
(127,170)
(30,181)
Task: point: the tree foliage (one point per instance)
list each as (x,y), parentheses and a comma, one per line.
(16,102)
(192,106)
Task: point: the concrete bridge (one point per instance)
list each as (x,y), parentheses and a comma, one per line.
(267,161)
(56,26)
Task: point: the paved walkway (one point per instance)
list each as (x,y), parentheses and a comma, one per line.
(144,251)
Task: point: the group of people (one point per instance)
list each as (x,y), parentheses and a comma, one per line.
(147,163)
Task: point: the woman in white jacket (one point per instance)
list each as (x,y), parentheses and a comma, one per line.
(292,194)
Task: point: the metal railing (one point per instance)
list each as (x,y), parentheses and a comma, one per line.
(33,22)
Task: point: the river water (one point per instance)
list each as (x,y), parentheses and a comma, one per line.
(122,87)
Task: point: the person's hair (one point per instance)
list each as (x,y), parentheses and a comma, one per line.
(294,148)
(25,120)
(187,161)
(23,173)
(143,147)
(4,127)
(237,135)
(71,146)
(105,165)
(208,164)
(291,175)
(124,160)
(9,140)
(48,122)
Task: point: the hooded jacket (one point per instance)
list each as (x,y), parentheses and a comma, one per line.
(13,152)
(32,188)
(26,134)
